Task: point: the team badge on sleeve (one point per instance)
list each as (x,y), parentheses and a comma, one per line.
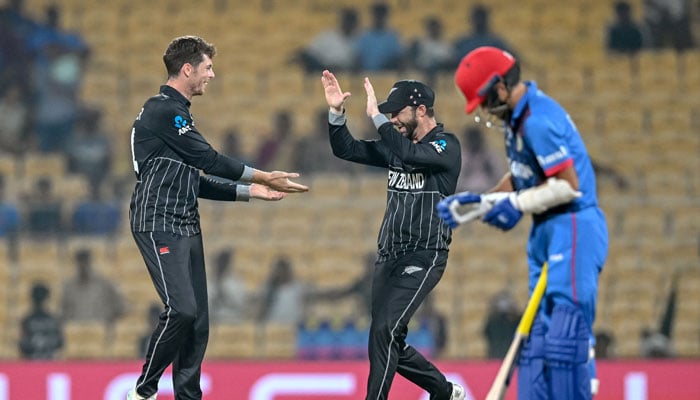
(439,145)
(182,125)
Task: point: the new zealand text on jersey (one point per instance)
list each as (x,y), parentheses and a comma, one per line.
(406,181)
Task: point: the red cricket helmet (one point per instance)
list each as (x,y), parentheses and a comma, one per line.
(479,70)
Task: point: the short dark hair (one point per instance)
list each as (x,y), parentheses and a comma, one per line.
(186,50)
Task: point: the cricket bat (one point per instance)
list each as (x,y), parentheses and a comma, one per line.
(502,380)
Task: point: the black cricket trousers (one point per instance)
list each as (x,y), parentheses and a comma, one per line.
(176,266)
(399,286)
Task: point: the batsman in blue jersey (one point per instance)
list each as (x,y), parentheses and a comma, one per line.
(551,178)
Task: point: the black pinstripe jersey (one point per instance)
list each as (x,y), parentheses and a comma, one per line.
(168,153)
(420,175)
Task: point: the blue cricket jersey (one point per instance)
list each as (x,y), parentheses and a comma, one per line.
(538,148)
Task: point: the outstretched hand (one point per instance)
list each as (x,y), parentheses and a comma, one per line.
(281,181)
(372,108)
(263,192)
(335,97)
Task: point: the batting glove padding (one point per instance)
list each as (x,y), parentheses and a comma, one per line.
(467,206)
(448,208)
(504,215)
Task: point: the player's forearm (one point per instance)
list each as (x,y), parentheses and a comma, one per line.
(212,189)
(346,147)
(569,175)
(228,167)
(540,198)
(504,185)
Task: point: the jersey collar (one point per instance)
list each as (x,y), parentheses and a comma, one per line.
(522,104)
(439,128)
(174,94)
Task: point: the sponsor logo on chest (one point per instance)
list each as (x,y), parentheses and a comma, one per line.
(406,180)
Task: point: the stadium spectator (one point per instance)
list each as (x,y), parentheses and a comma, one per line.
(41,334)
(44,210)
(658,343)
(51,33)
(99,214)
(283,298)
(14,138)
(16,28)
(89,150)
(231,144)
(229,298)
(654,344)
(56,101)
(313,153)
(608,172)
(276,150)
(604,344)
(480,165)
(88,296)
(360,288)
(9,214)
(501,322)
(624,35)
(333,48)
(669,23)
(59,60)
(18,20)
(431,53)
(379,47)
(480,35)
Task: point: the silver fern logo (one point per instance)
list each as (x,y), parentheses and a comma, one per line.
(411,269)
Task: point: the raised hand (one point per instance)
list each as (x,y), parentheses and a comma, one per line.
(372,108)
(335,97)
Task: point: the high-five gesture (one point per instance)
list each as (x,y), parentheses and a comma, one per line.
(335,97)
(372,108)
(281,182)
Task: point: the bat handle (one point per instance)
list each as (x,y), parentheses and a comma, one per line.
(502,380)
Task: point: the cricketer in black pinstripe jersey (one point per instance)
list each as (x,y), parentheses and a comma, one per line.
(423,163)
(168,154)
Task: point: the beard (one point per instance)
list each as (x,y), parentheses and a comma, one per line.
(198,89)
(410,126)
(500,111)
(496,107)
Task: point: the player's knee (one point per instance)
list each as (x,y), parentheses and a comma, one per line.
(531,382)
(385,329)
(183,315)
(568,338)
